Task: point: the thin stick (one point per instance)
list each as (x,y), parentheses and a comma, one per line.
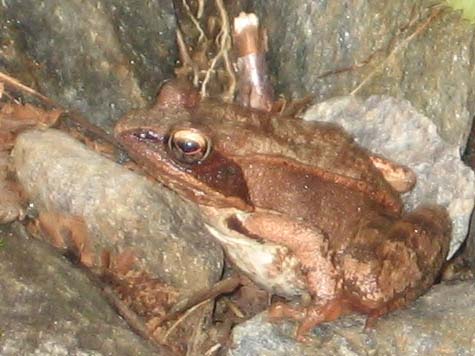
(234,308)
(22,87)
(124,311)
(183,317)
(213,349)
(74,115)
(96,130)
(397,48)
(225,286)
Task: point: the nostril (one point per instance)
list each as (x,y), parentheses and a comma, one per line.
(146,135)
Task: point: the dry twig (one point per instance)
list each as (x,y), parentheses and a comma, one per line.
(75,116)
(225,286)
(10,81)
(182,318)
(397,48)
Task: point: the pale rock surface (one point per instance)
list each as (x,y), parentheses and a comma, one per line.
(122,210)
(439,323)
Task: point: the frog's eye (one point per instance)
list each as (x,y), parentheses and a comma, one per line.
(189,145)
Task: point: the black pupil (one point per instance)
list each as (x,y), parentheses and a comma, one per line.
(188,146)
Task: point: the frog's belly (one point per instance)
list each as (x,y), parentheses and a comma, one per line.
(271,266)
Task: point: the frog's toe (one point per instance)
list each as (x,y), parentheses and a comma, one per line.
(308,317)
(317,314)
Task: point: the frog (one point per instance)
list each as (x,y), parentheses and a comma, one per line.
(299,207)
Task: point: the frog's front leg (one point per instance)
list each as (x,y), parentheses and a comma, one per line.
(311,247)
(306,243)
(282,240)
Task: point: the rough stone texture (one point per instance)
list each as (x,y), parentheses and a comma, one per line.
(99,57)
(50,308)
(440,323)
(433,70)
(395,130)
(122,210)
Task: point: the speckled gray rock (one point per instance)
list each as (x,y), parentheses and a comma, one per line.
(394,129)
(50,308)
(329,48)
(99,57)
(122,209)
(440,322)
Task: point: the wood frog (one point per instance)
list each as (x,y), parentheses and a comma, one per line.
(298,206)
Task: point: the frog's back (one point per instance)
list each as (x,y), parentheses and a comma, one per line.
(301,148)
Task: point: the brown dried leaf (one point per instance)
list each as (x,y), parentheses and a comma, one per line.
(12,198)
(4,165)
(124,261)
(106,261)
(7,139)
(69,233)
(144,294)
(148,297)
(11,202)
(16,116)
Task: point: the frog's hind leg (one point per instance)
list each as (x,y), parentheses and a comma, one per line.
(406,262)
(421,239)
(311,247)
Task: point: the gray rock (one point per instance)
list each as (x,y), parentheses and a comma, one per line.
(99,57)
(328,49)
(50,308)
(122,209)
(440,322)
(394,129)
